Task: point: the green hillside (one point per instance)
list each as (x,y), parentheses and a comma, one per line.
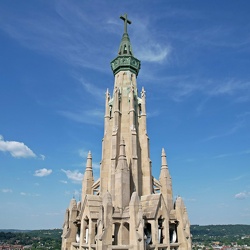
(222,233)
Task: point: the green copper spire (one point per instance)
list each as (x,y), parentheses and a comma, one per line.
(125,59)
(125,46)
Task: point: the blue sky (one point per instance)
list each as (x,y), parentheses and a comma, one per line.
(55,68)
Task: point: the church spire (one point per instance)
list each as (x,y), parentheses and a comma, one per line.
(125,59)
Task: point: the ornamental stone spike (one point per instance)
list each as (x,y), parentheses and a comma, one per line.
(89,162)
(164,163)
(88,179)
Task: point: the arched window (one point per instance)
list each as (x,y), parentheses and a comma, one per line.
(85,230)
(160,230)
(173,237)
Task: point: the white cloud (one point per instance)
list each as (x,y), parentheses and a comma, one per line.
(63,181)
(16,149)
(242,195)
(6,190)
(42,172)
(146,47)
(74,176)
(153,53)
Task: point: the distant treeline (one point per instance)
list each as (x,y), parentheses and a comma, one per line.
(225,234)
(221,233)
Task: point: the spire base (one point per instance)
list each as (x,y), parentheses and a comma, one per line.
(123,63)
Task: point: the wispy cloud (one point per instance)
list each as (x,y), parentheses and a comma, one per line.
(42,172)
(42,157)
(16,149)
(181,87)
(94,117)
(190,199)
(228,132)
(145,45)
(229,87)
(91,88)
(83,153)
(29,194)
(220,36)
(53,213)
(75,176)
(153,52)
(153,114)
(6,190)
(68,35)
(237,178)
(77,193)
(96,165)
(63,181)
(244,152)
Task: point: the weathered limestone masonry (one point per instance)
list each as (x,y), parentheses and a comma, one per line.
(126,208)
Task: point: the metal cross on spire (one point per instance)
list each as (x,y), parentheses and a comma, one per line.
(126,22)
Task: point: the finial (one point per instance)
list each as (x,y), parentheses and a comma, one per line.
(164,163)
(89,155)
(89,162)
(126,22)
(163,152)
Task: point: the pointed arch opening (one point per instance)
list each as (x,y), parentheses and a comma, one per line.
(173,233)
(160,230)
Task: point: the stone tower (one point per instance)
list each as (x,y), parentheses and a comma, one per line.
(126,208)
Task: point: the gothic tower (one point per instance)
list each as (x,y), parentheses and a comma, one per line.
(126,208)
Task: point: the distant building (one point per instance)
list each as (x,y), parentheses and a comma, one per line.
(11,247)
(126,208)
